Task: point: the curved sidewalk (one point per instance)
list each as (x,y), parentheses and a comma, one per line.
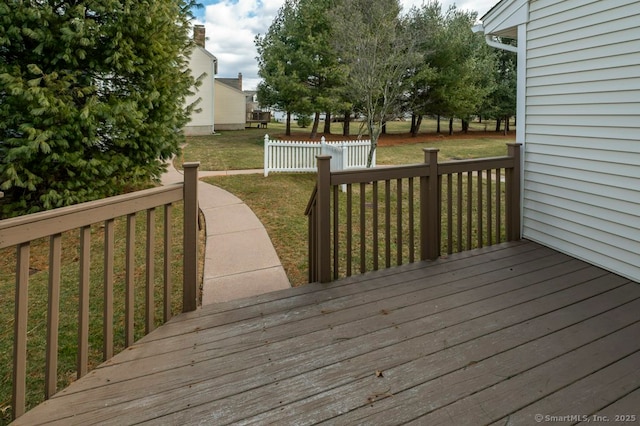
(240,260)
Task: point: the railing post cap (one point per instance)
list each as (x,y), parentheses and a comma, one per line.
(431,149)
(190,165)
(323,157)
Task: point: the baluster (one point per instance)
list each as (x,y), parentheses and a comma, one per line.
(336,232)
(459,210)
(349,227)
(168,208)
(387,223)
(499,206)
(411,222)
(107,328)
(469,208)
(150,268)
(399,222)
(129,280)
(83,311)
(449,213)
(374,203)
(53,315)
(479,212)
(363,231)
(20,330)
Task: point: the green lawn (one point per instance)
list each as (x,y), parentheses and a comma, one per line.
(279,200)
(244,149)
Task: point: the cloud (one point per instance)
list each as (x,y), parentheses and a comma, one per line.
(232,25)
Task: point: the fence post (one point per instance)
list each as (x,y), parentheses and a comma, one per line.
(323,217)
(430,208)
(266,155)
(190,262)
(513,193)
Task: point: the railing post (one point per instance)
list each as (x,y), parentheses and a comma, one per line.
(266,155)
(190,263)
(513,193)
(323,218)
(430,208)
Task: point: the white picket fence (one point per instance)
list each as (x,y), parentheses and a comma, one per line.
(293,156)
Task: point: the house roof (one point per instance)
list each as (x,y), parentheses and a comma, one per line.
(231,82)
(209,54)
(502,20)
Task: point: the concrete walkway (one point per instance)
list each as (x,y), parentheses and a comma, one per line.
(240,260)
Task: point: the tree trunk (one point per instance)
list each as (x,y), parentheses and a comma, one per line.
(465,126)
(438,128)
(413,124)
(373,135)
(316,123)
(327,123)
(346,128)
(498,122)
(416,127)
(384,128)
(451,126)
(288,127)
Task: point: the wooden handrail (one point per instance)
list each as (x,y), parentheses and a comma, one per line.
(20,232)
(21,229)
(446,191)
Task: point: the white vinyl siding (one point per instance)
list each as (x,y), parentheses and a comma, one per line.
(582,151)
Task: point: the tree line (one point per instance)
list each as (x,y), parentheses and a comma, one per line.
(349,57)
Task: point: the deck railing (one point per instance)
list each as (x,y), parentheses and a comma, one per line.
(412,212)
(22,231)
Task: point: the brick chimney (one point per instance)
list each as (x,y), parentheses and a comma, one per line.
(199,35)
(240,81)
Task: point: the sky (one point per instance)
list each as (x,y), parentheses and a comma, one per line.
(231,27)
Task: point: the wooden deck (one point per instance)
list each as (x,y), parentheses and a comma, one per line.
(493,335)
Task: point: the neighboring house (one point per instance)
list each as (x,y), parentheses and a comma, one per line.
(222,102)
(579,121)
(230,104)
(202,62)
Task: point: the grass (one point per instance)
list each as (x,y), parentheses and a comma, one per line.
(453,149)
(233,150)
(38,284)
(244,149)
(279,200)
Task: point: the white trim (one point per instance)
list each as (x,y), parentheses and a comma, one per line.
(521,108)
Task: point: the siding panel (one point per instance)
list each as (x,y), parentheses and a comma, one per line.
(582,151)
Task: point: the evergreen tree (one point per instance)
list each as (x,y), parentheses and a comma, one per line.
(298,66)
(280,64)
(92,97)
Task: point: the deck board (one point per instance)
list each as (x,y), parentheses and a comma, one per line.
(492,335)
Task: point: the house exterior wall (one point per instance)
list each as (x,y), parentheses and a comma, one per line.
(202,123)
(582,131)
(230,108)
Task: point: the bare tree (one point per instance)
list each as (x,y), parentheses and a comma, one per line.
(375,49)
